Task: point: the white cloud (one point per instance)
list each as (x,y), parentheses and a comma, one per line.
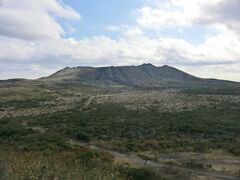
(230,72)
(20,70)
(15,50)
(27,19)
(168,13)
(180,13)
(113,28)
(220,49)
(136,50)
(31,39)
(225,13)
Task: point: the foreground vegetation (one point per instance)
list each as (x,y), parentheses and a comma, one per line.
(26,154)
(213,124)
(198,130)
(75,164)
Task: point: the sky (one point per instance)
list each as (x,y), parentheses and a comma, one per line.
(201,37)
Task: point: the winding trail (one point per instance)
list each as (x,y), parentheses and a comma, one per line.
(90,99)
(87,103)
(143,162)
(136,159)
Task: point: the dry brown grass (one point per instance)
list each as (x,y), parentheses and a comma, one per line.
(64,165)
(165,101)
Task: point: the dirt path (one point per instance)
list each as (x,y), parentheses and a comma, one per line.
(143,162)
(138,160)
(90,99)
(35,128)
(88,102)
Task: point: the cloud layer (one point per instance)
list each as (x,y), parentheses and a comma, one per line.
(33,42)
(33,20)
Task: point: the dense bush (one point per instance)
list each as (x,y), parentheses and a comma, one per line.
(196,130)
(213,91)
(234,149)
(140,174)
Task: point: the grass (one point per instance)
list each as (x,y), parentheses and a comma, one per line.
(28,154)
(61,165)
(201,129)
(213,91)
(75,164)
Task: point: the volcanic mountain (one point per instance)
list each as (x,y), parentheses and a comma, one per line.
(143,76)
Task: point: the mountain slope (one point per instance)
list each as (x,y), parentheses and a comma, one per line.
(145,75)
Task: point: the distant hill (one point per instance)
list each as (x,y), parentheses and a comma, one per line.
(143,76)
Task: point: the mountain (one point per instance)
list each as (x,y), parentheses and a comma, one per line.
(143,76)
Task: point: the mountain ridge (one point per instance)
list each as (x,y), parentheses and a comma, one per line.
(144,75)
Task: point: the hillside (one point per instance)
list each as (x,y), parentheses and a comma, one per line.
(129,122)
(143,76)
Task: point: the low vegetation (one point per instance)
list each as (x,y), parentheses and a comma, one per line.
(72,164)
(198,130)
(125,122)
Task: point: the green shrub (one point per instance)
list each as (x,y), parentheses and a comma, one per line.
(139,174)
(234,149)
(83,137)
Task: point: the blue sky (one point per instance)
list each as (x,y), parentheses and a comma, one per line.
(97,15)
(201,37)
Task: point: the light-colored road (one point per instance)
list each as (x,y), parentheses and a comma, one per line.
(143,162)
(140,161)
